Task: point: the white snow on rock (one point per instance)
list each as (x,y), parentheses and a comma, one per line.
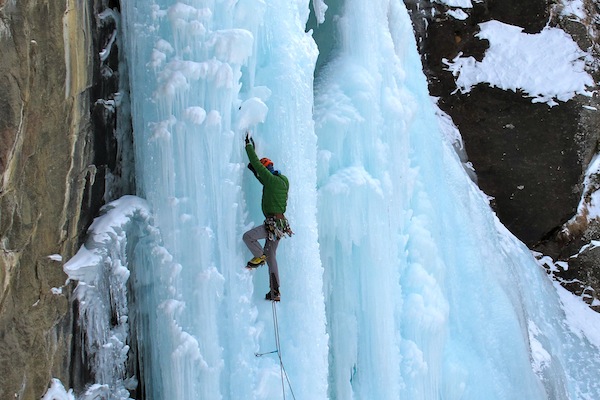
(57,391)
(581,319)
(458,14)
(589,204)
(520,61)
(573,8)
(55,257)
(593,204)
(456,3)
(104,230)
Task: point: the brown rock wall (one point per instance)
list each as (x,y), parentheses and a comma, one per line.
(45,149)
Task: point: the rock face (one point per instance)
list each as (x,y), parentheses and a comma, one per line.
(53,167)
(530,157)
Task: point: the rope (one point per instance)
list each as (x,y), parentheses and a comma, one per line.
(278,346)
(278,351)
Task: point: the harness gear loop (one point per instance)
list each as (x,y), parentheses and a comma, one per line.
(278,226)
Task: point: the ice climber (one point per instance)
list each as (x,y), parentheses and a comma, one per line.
(274,203)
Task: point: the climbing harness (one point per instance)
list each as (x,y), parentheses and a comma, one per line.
(278,351)
(278,227)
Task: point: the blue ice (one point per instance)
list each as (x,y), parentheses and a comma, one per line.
(400,282)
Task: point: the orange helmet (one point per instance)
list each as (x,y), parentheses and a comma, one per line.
(266,162)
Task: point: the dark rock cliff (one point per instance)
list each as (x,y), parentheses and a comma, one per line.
(530,157)
(57,151)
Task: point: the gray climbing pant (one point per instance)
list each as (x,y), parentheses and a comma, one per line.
(251,239)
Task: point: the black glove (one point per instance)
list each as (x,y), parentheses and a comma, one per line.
(249,140)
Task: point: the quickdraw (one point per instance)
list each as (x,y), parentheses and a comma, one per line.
(278,227)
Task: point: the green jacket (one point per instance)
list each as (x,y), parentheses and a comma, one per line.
(275,186)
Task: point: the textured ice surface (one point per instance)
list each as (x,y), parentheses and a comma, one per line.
(399,283)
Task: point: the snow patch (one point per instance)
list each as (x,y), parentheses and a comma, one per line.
(519,61)
(456,3)
(55,257)
(589,205)
(57,391)
(581,319)
(458,14)
(591,245)
(574,8)
(56,291)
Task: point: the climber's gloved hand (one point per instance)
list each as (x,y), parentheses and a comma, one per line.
(249,139)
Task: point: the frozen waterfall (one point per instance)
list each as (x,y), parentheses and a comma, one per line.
(399,283)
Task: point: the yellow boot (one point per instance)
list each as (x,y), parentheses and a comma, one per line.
(257,262)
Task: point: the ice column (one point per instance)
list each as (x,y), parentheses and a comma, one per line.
(202,73)
(428,295)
